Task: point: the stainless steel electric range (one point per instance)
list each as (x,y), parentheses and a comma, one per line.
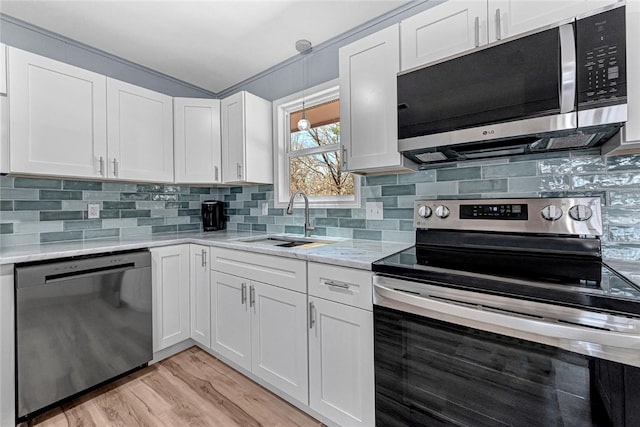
(503,313)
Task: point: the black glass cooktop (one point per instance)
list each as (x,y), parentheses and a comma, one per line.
(567,280)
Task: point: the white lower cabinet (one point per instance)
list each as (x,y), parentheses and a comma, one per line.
(170,285)
(341,372)
(200,289)
(7,351)
(261,327)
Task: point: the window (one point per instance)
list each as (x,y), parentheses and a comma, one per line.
(311,160)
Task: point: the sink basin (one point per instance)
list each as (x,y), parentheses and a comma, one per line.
(287,241)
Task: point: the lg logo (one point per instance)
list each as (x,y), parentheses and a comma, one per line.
(488,132)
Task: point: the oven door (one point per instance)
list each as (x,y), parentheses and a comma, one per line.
(443,359)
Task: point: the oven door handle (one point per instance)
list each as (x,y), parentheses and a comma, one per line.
(506,324)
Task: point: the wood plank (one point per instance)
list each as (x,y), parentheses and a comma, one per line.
(191,388)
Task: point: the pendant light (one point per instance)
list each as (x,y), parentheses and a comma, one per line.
(304,47)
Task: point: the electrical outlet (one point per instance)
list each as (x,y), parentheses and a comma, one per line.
(265,208)
(93,210)
(374,210)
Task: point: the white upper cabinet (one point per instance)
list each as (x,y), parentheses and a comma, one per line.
(444,30)
(457,26)
(197,148)
(512,17)
(247,149)
(3,69)
(368,104)
(57,118)
(139,133)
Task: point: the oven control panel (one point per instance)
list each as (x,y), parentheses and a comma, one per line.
(570,215)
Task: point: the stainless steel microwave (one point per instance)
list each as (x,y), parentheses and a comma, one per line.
(561,87)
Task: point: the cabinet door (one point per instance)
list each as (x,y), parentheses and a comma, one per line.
(512,17)
(197,140)
(58,118)
(7,349)
(200,295)
(233,138)
(341,381)
(279,338)
(443,30)
(230,318)
(170,278)
(3,69)
(368,102)
(139,133)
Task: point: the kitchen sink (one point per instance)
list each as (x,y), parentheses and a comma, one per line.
(287,241)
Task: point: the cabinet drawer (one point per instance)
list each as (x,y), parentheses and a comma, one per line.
(340,284)
(284,272)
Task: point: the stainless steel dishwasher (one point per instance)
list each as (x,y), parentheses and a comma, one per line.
(79,322)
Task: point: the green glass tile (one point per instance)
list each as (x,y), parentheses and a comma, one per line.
(189,197)
(258,227)
(37,227)
(244,227)
(276,211)
(250,219)
(406,225)
(176,205)
(61,215)
(151,188)
(9,240)
(82,185)
(188,212)
(60,236)
(34,205)
(384,224)
(620,163)
(188,227)
(60,195)
(6,181)
(150,221)
(135,196)
(352,223)
(177,220)
(195,219)
(97,234)
(367,234)
(243,211)
(293,229)
(110,213)
(339,213)
(235,190)
(346,233)
(399,190)
(101,195)
(399,236)
(118,186)
(199,190)
(250,204)
(419,176)
(319,231)
(6,228)
(164,228)
(258,196)
(167,197)
(400,213)
(510,169)
(82,225)
(6,205)
(327,222)
(458,174)
(229,197)
(381,180)
(53,184)
(18,194)
(484,186)
(119,205)
(140,213)
(265,187)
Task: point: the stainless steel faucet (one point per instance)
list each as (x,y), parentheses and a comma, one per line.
(307,225)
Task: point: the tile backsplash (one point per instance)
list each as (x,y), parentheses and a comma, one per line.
(34,210)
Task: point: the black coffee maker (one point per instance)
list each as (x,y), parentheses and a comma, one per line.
(212,215)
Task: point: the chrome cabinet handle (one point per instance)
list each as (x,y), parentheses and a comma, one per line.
(239,170)
(335,284)
(477,30)
(101,166)
(115,167)
(498,25)
(344,157)
(204,258)
(215,172)
(252,296)
(312,318)
(243,293)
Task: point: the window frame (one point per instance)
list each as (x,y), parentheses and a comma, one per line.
(282,108)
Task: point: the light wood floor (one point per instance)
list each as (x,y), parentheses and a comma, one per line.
(191,388)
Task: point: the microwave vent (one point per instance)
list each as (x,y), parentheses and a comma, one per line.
(435,156)
(576,140)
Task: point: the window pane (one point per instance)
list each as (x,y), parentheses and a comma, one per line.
(316,137)
(320,175)
(318,115)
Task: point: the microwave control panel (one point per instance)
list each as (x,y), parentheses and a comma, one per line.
(601,54)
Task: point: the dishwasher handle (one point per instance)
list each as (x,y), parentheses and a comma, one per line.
(56,278)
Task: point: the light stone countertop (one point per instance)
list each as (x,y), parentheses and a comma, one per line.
(344,252)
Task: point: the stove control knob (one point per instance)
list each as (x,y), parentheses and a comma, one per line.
(580,212)
(424,211)
(551,212)
(442,211)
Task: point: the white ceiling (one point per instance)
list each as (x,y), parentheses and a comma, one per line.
(212,44)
